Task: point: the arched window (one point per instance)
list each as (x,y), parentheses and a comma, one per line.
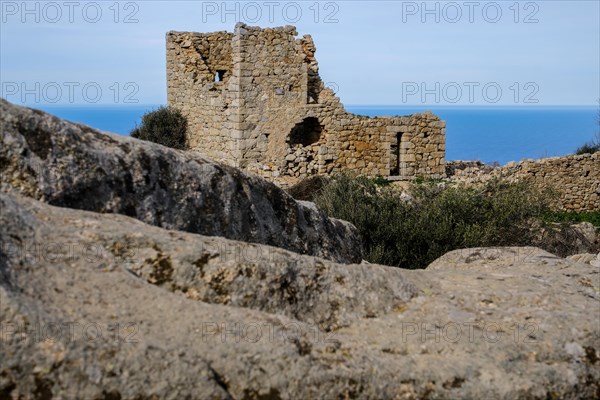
(306,132)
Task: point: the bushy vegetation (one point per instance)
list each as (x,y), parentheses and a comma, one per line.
(381,181)
(590,147)
(307,188)
(166,126)
(412,233)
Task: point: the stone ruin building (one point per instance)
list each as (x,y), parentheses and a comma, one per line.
(254,100)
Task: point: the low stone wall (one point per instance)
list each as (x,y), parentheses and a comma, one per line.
(374,146)
(576,178)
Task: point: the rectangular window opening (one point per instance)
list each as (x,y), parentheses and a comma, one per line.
(220,75)
(396,161)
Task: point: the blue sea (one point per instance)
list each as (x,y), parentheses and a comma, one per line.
(489,134)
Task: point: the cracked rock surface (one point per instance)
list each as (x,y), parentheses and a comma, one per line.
(143,312)
(72,165)
(96,304)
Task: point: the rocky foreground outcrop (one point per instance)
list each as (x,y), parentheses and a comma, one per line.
(105,306)
(98,305)
(72,165)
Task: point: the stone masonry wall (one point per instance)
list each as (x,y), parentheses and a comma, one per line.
(576,178)
(193,62)
(383,146)
(273,116)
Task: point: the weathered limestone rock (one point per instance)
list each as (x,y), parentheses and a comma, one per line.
(586,258)
(72,165)
(102,306)
(490,258)
(217,270)
(588,231)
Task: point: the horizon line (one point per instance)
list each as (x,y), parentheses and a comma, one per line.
(423,106)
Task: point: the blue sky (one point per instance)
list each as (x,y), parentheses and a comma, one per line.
(513,53)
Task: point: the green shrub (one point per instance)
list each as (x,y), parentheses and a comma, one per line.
(426,180)
(166,126)
(411,234)
(381,181)
(588,148)
(593,145)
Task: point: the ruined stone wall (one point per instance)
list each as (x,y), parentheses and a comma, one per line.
(193,62)
(576,178)
(381,146)
(277,117)
(273,89)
